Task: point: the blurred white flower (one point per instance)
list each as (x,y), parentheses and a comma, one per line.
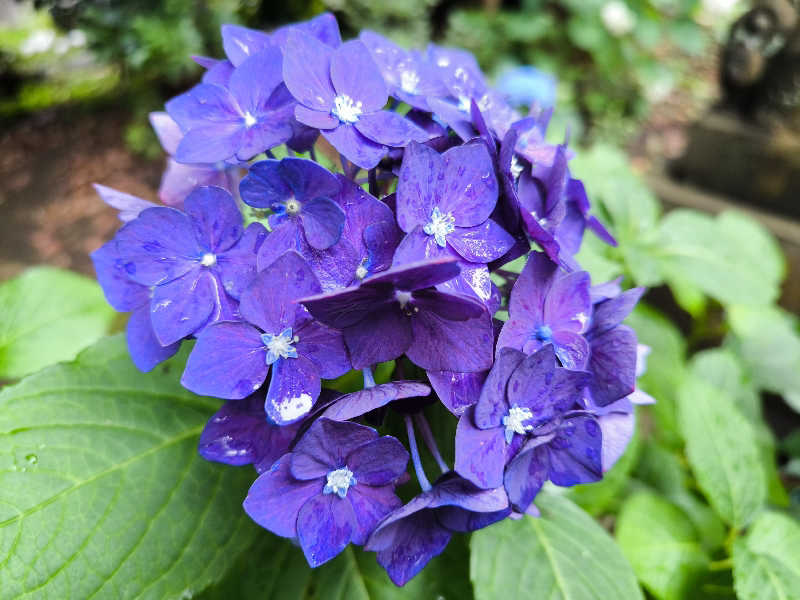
(719,7)
(37,42)
(618,18)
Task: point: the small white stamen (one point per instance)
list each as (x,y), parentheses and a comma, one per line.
(339,481)
(403,298)
(514,422)
(249,120)
(582,318)
(208,260)
(361,272)
(440,225)
(409,80)
(292,206)
(345,109)
(280,346)
(464,103)
(516,167)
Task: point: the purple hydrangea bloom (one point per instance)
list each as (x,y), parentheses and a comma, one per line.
(341,92)
(410,77)
(356,404)
(197,262)
(332,489)
(240,434)
(549,306)
(411,536)
(397,312)
(527,427)
(252,114)
(231,359)
(299,191)
(443,204)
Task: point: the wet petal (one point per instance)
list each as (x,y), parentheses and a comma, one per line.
(182,306)
(480,453)
(378,462)
(293,389)
(306,71)
(325,525)
(482,243)
(216,221)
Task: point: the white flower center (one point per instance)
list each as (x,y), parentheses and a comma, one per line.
(361,272)
(292,206)
(514,422)
(464,103)
(516,167)
(345,109)
(280,346)
(402,297)
(440,225)
(339,481)
(208,260)
(409,80)
(249,120)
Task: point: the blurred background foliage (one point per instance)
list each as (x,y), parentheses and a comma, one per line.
(725,357)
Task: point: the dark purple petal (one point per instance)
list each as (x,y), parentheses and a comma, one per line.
(158,246)
(371,505)
(480,453)
(275,499)
(453,490)
(325,347)
(216,221)
(335,267)
(385,335)
(613,364)
(318,119)
(469,189)
(182,306)
(228,361)
(568,305)
(531,288)
(456,518)
(575,452)
(453,307)
(390,128)
(325,525)
(253,82)
(308,180)
(286,236)
(323,221)
(457,391)
(492,405)
(306,71)
(604,291)
(529,384)
(363,401)
(128,206)
(239,434)
(379,462)
(612,312)
(356,147)
(482,243)
(416,276)
(355,74)
(326,446)
(418,186)
(269,302)
(293,389)
(417,246)
(240,42)
(572,349)
(264,185)
(237,266)
(474,281)
(381,240)
(348,307)
(525,476)
(443,345)
(145,350)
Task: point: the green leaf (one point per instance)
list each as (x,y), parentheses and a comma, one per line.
(766,563)
(356,575)
(731,258)
(769,343)
(662,545)
(723,451)
(563,555)
(48,315)
(102,492)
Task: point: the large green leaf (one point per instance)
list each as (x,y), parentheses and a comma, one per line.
(662,545)
(766,563)
(729,257)
(102,492)
(563,555)
(48,315)
(722,448)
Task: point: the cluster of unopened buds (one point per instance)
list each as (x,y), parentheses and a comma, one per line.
(292,275)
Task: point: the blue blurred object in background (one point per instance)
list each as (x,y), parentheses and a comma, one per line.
(524,85)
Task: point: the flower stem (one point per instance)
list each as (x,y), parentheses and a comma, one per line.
(412,444)
(372,175)
(312,153)
(369,378)
(721,565)
(430,441)
(269,154)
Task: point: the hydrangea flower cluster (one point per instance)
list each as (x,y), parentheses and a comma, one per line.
(332,206)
